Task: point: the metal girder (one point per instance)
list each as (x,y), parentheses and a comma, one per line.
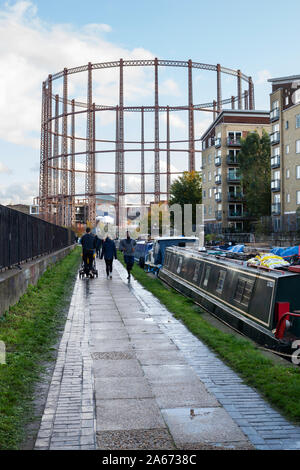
(156,137)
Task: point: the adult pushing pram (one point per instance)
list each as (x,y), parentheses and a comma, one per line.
(88,267)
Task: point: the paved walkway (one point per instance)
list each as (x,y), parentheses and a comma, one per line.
(130,376)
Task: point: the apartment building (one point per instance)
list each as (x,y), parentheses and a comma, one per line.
(285,152)
(223,198)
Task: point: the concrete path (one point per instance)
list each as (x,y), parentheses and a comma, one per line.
(130,376)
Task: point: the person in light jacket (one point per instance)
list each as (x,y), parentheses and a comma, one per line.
(109,252)
(127,246)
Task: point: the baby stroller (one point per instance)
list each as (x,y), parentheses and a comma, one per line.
(88,269)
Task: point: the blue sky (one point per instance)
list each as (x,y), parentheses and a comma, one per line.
(39,37)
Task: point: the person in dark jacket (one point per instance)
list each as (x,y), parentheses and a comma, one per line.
(127,246)
(98,246)
(88,243)
(109,252)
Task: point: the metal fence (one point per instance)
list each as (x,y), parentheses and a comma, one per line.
(23,237)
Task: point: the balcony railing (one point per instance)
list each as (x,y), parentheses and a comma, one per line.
(275,138)
(275,185)
(233,142)
(218,215)
(233,178)
(218,161)
(232,160)
(274,114)
(275,208)
(218,142)
(218,179)
(235,214)
(275,161)
(235,197)
(218,197)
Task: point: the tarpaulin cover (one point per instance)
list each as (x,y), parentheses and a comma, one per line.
(237,249)
(285,252)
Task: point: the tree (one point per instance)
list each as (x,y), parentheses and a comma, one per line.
(187,189)
(255,170)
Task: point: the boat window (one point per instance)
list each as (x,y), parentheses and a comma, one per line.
(179,264)
(220,282)
(196,272)
(206,276)
(181,244)
(243,291)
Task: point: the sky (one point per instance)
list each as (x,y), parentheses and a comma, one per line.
(38,38)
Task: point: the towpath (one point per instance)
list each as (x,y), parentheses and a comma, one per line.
(130,376)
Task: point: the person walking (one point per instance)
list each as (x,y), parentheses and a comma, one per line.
(88,243)
(98,246)
(127,246)
(109,252)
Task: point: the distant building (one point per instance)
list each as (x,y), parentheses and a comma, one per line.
(222,193)
(285,156)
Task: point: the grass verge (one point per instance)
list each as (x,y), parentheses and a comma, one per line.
(279,384)
(29,331)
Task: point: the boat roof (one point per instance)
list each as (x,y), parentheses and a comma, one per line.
(234,263)
(177,238)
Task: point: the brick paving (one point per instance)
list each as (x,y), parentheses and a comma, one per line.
(128,374)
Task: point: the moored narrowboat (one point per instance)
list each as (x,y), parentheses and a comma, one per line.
(263,304)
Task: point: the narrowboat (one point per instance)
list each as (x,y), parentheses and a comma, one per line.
(155,257)
(263,304)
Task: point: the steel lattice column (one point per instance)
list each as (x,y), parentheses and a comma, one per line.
(246,100)
(56,158)
(142,159)
(90,155)
(239,89)
(49,141)
(214,109)
(42,194)
(232,103)
(251,94)
(156,126)
(121,131)
(168,153)
(191,119)
(72,165)
(117,170)
(64,152)
(219,89)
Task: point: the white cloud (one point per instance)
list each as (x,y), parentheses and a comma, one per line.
(18,193)
(262,77)
(4,169)
(30,49)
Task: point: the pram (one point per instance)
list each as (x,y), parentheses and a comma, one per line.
(85,269)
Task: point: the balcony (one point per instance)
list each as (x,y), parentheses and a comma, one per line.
(233,142)
(232,160)
(275,161)
(218,142)
(275,208)
(218,160)
(218,215)
(233,177)
(233,197)
(235,214)
(274,115)
(275,138)
(275,185)
(218,179)
(218,197)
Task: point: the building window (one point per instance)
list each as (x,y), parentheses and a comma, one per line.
(297,120)
(286,124)
(298,197)
(297,146)
(209,192)
(275,104)
(286,100)
(204,193)
(288,198)
(209,176)
(287,149)
(204,178)
(298,172)
(287,173)
(243,291)
(209,159)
